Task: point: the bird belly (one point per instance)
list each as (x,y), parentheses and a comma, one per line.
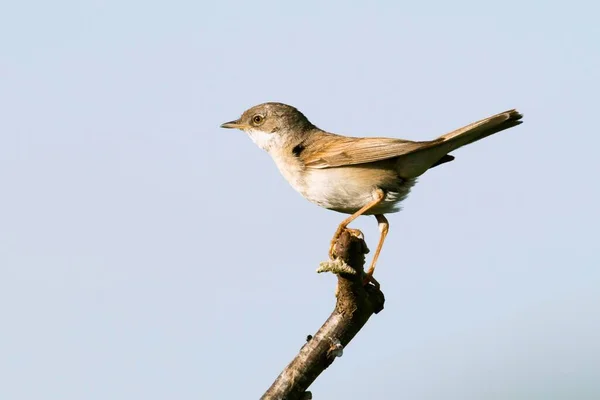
(348,189)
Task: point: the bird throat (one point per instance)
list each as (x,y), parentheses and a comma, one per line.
(264,140)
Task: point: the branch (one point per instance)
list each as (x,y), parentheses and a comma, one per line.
(355,304)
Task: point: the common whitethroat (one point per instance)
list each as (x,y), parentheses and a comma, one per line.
(351,175)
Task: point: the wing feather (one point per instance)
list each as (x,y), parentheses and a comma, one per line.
(351,151)
(416,157)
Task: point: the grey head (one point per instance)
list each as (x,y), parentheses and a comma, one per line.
(272,125)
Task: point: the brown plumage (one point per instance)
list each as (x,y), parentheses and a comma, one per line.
(357,176)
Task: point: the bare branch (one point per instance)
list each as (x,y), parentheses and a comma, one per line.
(355,304)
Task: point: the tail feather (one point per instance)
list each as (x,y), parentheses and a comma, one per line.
(435,152)
(481,129)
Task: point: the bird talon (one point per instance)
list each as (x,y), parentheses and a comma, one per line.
(354,232)
(334,240)
(331,250)
(368,278)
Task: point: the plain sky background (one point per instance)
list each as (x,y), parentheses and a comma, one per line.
(147,254)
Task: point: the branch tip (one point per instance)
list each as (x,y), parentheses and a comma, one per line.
(337,266)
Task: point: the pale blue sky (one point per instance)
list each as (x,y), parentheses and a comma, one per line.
(147,254)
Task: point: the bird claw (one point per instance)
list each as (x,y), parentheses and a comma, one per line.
(368,278)
(354,232)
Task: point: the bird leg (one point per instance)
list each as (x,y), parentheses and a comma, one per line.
(380,195)
(383,229)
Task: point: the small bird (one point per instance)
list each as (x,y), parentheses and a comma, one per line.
(352,175)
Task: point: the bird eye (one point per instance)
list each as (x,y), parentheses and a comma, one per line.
(258,119)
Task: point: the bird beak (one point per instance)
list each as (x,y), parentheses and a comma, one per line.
(232,125)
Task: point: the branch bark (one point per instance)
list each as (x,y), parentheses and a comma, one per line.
(354,306)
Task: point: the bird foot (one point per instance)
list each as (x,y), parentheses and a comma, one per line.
(354,232)
(368,278)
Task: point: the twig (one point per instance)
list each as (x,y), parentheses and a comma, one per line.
(355,304)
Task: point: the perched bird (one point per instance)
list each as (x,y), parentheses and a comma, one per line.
(356,176)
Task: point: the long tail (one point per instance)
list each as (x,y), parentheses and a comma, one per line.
(435,152)
(480,129)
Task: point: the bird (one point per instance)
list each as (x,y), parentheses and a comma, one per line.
(354,175)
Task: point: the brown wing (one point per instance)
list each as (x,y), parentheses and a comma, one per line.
(414,157)
(336,151)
